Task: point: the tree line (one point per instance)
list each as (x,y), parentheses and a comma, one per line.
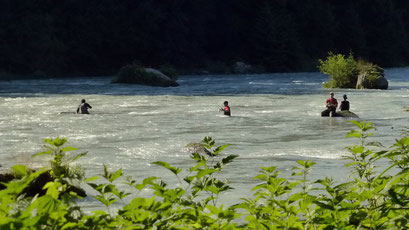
(96,37)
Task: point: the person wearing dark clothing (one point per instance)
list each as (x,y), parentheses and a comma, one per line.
(344,104)
(332,105)
(226,109)
(83,107)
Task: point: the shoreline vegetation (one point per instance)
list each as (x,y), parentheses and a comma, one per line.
(95,38)
(373,198)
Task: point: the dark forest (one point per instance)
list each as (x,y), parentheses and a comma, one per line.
(97,37)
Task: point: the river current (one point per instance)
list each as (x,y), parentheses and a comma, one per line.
(275,121)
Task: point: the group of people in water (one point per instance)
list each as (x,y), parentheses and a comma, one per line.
(331,104)
(84,106)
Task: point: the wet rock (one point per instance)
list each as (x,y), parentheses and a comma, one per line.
(347,113)
(36,186)
(133,74)
(5,177)
(372,79)
(343,113)
(242,68)
(381,83)
(197,148)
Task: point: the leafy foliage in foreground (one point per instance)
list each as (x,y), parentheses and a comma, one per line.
(374,198)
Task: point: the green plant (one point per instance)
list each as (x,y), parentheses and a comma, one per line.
(53,210)
(193,206)
(342,70)
(374,198)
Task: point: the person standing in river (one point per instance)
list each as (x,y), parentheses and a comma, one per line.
(226,109)
(83,107)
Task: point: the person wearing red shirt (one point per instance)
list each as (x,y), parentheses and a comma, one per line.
(226,109)
(332,105)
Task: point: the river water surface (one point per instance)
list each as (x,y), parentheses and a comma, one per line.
(275,121)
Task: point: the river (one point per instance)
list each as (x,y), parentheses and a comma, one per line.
(275,121)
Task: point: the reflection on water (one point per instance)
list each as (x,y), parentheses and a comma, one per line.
(275,121)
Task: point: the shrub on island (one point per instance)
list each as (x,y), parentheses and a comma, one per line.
(346,72)
(135,74)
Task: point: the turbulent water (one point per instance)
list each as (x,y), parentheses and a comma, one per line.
(275,121)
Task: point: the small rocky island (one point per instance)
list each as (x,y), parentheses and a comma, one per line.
(346,72)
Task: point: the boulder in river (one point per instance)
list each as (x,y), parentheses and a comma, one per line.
(242,68)
(36,186)
(343,113)
(372,78)
(134,74)
(347,113)
(197,148)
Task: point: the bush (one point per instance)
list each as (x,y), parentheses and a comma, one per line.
(343,71)
(375,198)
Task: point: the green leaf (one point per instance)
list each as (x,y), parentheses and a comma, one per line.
(189,179)
(229,159)
(106,172)
(263,177)
(52,189)
(79,155)
(46,204)
(213,209)
(220,149)
(57,142)
(354,134)
(32,221)
(145,182)
(92,178)
(19,170)
(115,175)
(105,201)
(357,123)
(68,148)
(375,143)
(175,170)
(42,153)
(204,172)
(69,225)
(99,213)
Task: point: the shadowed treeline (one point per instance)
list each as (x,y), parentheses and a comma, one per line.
(95,37)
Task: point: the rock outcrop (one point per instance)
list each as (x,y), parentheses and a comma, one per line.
(373,78)
(343,113)
(242,68)
(347,113)
(133,74)
(36,186)
(197,148)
